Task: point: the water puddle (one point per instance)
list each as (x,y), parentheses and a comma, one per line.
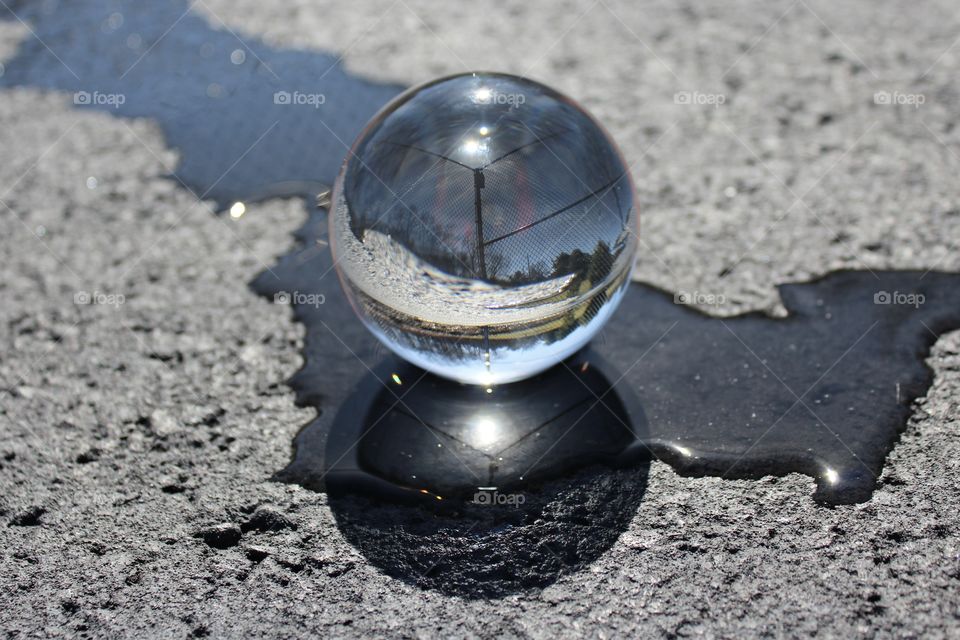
(483,494)
(242,114)
(824,391)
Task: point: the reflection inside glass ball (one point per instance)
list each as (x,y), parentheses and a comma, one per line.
(483,227)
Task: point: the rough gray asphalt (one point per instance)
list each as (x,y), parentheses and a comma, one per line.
(131,424)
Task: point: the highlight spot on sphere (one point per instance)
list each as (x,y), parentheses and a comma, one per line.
(483,227)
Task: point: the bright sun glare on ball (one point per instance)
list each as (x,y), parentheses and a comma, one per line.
(485,431)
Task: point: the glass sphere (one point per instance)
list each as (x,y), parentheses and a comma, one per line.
(483,227)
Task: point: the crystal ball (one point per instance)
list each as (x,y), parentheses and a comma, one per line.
(483,227)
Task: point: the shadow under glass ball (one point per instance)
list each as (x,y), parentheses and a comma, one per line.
(478,494)
(483,226)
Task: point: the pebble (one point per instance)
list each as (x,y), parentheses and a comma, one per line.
(267,518)
(220,536)
(162,423)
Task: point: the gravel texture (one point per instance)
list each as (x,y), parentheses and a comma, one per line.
(143,399)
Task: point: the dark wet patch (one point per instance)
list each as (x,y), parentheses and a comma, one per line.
(825,391)
(246,117)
